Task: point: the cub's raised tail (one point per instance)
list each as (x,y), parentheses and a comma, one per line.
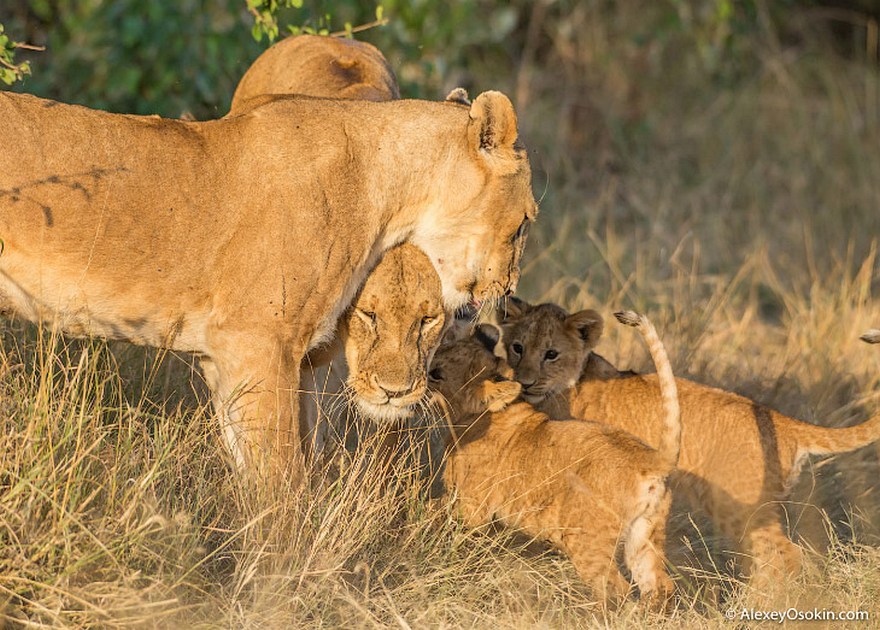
(670,439)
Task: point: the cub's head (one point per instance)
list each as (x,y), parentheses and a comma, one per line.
(547,347)
(393,328)
(470,377)
(476,228)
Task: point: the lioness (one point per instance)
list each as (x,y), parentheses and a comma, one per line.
(314,65)
(243,240)
(737,457)
(386,337)
(385,342)
(584,486)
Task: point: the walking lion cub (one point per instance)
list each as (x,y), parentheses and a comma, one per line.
(584,486)
(738,457)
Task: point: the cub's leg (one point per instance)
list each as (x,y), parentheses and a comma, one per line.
(593,555)
(770,556)
(645,557)
(256,393)
(767,554)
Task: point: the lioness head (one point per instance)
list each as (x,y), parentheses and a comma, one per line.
(479,258)
(394,327)
(470,377)
(546,347)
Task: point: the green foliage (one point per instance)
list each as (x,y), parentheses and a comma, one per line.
(10,72)
(137,57)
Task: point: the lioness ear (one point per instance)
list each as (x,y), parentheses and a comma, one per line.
(487,335)
(493,123)
(513,308)
(497,395)
(588,325)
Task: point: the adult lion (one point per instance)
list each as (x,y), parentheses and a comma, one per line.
(383,356)
(242,240)
(314,65)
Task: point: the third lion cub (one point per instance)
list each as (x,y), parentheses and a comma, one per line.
(584,486)
(737,456)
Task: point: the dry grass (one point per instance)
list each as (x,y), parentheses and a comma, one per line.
(740,214)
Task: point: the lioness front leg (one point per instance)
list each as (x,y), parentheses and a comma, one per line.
(256,395)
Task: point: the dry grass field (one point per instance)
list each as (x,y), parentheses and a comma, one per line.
(743,218)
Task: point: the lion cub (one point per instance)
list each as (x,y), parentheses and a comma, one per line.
(737,457)
(584,486)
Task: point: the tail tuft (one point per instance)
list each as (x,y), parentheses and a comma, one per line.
(871,336)
(629,318)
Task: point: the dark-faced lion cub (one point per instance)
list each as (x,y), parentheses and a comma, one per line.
(737,456)
(584,486)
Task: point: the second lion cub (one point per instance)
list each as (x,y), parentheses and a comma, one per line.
(584,486)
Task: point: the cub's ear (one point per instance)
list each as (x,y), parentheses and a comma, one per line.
(493,124)
(512,309)
(588,325)
(497,395)
(487,335)
(459,95)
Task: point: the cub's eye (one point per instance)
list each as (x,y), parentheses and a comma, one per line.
(517,347)
(551,355)
(427,320)
(436,374)
(499,379)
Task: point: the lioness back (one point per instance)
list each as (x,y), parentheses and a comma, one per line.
(320,66)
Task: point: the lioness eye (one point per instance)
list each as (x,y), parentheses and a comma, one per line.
(435,374)
(516,347)
(521,230)
(428,320)
(551,355)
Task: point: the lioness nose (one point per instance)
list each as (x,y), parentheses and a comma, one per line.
(391,391)
(396,393)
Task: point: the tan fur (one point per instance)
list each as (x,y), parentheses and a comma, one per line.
(325,67)
(387,336)
(243,240)
(386,340)
(737,457)
(584,486)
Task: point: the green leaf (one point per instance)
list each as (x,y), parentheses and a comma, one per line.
(296,4)
(257,32)
(380,11)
